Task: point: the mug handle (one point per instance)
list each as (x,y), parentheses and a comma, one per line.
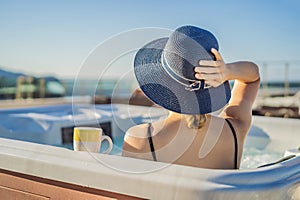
(105,137)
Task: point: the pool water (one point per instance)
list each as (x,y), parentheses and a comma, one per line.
(252,158)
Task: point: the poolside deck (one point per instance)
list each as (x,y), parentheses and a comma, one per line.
(287,106)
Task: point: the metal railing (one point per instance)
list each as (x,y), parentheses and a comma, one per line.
(282,77)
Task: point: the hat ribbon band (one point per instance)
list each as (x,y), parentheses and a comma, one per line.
(195,85)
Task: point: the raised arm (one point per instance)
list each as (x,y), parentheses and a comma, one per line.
(243,94)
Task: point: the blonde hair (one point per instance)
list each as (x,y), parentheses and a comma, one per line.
(195,121)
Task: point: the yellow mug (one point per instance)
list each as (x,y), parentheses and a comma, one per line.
(90,139)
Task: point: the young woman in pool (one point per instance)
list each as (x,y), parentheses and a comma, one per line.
(208,122)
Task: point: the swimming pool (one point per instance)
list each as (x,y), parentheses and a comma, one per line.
(33,138)
(53,125)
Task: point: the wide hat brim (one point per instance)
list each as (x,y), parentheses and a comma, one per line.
(163,90)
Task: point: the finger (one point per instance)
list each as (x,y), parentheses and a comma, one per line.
(214,76)
(216,54)
(210,63)
(198,76)
(207,70)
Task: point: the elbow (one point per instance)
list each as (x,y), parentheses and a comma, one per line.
(256,72)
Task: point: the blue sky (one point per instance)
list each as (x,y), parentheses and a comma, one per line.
(55,37)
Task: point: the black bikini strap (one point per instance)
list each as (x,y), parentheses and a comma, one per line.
(151,142)
(235,144)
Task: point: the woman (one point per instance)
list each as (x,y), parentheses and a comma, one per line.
(186,74)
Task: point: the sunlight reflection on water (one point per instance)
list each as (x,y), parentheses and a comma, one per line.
(252,158)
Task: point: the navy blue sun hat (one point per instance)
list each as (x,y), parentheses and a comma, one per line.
(164,69)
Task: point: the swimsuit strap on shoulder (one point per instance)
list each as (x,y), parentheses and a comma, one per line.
(235,144)
(151,142)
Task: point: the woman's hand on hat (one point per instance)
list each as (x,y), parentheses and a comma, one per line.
(212,71)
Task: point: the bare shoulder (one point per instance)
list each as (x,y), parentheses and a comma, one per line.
(241,126)
(138,131)
(135,140)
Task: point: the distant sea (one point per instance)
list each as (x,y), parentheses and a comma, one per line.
(106,87)
(125,88)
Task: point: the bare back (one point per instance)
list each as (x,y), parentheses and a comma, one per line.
(174,142)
